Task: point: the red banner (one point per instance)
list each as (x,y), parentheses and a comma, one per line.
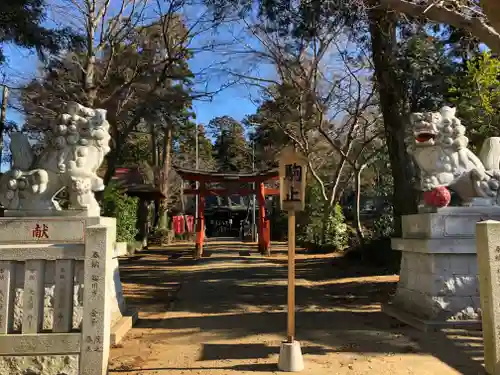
(178,224)
(190,223)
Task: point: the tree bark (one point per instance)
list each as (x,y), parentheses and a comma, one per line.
(112,157)
(492,10)
(3,119)
(382,26)
(154,148)
(327,209)
(477,26)
(167,151)
(156,171)
(142,222)
(357,218)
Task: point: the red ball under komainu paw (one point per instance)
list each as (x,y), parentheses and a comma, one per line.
(439,197)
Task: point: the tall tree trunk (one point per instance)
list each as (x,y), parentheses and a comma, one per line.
(327,209)
(383,38)
(357,218)
(142,222)
(156,220)
(89,86)
(156,170)
(113,155)
(492,10)
(154,149)
(3,118)
(167,154)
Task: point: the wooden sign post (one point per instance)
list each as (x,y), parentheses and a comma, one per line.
(293,171)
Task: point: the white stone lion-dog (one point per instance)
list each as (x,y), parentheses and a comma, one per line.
(440,150)
(68,158)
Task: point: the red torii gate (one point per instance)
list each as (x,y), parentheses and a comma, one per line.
(204,177)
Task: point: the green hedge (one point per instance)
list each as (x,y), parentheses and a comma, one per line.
(122,207)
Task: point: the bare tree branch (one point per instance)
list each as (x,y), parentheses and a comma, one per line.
(486,29)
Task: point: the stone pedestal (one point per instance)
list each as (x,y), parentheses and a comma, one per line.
(439,275)
(488,256)
(122,318)
(49,235)
(72,223)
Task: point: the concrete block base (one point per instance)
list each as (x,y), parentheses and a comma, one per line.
(122,326)
(438,287)
(290,359)
(428,325)
(439,278)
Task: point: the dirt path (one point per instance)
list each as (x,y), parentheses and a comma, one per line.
(226,315)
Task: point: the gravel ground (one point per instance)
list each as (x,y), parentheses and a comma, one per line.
(226,314)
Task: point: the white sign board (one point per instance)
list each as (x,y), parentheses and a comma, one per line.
(42,230)
(293,172)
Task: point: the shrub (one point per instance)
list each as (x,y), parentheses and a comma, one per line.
(124,208)
(383,227)
(377,252)
(376,248)
(319,229)
(336,231)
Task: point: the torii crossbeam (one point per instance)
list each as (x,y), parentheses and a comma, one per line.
(257,179)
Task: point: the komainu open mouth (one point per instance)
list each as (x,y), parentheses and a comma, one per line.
(425,137)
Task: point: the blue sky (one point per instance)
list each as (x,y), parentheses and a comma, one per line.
(235,101)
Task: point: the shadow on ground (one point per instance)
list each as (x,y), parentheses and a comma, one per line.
(254,367)
(338,307)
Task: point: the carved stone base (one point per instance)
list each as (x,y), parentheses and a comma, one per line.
(121,327)
(428,325)
(439,275)
(439,286)
(65,229)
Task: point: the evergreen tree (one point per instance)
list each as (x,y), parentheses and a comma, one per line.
(20,23)
(185,147)
(135,86)
(476,94)
(231,149)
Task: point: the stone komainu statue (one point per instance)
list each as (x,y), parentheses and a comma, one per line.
(68,158)
(440,150)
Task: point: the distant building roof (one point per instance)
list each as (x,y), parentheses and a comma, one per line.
(136,183)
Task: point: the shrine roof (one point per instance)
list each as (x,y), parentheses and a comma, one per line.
(216,176)
(136,183)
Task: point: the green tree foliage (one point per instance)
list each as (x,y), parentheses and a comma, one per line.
(122,207)
(423,63)
(410,63)
(231,150)
(479,18)
(20,23)
(366,25)
(476,94)
(277,110)
(138,148)
(140,77)
(185,147)
(312,228)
